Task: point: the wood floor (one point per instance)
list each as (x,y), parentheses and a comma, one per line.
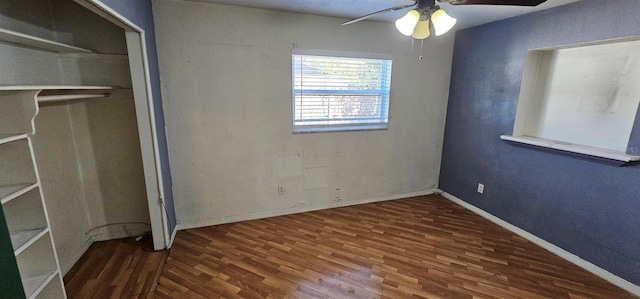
(121,268)
(421,247)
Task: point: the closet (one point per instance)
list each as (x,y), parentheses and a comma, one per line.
(71,166)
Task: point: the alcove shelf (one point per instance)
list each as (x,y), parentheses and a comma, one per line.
(585,150)
(30,41)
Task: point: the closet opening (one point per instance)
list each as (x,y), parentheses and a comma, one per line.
(75,77)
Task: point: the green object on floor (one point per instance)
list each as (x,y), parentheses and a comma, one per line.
(10,283)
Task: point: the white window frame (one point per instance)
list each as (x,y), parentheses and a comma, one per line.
(383,118)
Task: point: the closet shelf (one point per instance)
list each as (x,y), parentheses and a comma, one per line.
(34,285)
(54,87)
(69,97)
(56,93)
(9,192)
(38,43)
(4,138)
(23,239)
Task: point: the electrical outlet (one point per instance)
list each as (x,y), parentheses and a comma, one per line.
(480,188)
(281,190)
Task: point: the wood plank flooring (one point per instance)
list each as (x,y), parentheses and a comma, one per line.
(421,247)
(116,269)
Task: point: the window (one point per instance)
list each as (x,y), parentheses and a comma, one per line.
(336,91)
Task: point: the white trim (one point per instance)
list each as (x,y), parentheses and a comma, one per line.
(380,56)
(147,141)
(570,257)
(101,11)
(158,244)
(98,237)
(154,137)
(110,14)
(299,209)
(173,237)
(339,128)
(588,44)
(572,148)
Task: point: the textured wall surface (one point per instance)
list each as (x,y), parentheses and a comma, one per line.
(227,95)
(587,208)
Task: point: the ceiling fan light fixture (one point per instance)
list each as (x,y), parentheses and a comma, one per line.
(408,22)
(442,22)
(421,30)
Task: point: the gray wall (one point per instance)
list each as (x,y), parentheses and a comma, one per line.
(226,74)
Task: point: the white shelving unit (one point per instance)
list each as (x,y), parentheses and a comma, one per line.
(20,189)
(71,53)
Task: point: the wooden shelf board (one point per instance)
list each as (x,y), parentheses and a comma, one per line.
(38,43)
(53,87)
(572,148)
(34,285)
(9,192)
(4,138)
(69,97)
(23,239)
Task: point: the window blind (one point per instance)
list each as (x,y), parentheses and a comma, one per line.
(335,93)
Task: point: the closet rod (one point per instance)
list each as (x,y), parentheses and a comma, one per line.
(67,97)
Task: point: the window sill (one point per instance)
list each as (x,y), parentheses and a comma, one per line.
(325,129)
(573,148)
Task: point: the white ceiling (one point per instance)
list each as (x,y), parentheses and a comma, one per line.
(467,15)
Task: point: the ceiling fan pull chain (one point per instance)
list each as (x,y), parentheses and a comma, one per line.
(421,46)
(412,44)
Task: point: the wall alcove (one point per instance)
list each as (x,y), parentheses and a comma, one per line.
(581,99)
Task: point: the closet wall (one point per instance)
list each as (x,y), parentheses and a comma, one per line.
(87,151)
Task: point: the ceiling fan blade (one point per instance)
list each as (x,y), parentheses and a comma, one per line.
(379,12)
(495,2)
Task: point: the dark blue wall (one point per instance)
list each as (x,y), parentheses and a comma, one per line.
(140,13)
(584,207)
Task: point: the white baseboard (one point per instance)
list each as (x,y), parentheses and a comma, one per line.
(65,266)
(298,209)
(119,234)
(572,258)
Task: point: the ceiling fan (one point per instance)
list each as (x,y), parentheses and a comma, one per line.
(416,22)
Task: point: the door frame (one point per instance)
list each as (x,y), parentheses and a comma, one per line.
(145,115)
